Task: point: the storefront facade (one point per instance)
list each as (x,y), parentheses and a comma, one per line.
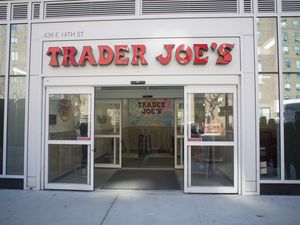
(85,80)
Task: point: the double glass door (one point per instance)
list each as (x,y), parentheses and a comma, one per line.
(211,139)
(205,138)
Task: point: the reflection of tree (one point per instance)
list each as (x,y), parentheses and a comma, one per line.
(212,101)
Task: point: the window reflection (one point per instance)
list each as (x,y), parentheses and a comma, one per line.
(269,96)
(18,48)
(107,117)
(291,98)
(210,117)
(15,125)
(3,44)
(2,96)
(267,44)
(3,33)
(69,116)
(269,126)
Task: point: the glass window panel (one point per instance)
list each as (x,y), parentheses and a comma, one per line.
(107,150)
(2,97)
(269,126)
(212,166)
(291,105)
(290,63)
(267,44)
(69,116)
(15,125)
(3,44)
(68,164)
(18,49)
(210,117)
(107,118)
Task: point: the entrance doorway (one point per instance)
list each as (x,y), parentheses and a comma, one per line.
(139,137)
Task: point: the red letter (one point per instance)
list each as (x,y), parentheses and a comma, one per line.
(167,59)
(120,54)
(224,53)
(186,50)
(106,55)
(199,53)
(138,51)
(69,54)
(54,52)
(87,54)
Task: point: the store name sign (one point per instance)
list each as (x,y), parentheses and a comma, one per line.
(135,54)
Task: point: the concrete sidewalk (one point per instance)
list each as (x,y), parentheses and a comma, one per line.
(143,208)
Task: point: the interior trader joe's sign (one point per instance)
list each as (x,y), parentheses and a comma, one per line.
(135,54)
(152,112)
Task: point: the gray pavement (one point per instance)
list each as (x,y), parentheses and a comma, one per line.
(103,207)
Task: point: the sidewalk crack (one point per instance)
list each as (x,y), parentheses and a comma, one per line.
(108,210)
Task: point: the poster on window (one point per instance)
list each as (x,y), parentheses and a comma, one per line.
(151,112)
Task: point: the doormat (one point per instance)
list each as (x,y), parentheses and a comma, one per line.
(143,180)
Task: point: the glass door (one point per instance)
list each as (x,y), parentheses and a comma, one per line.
(211,139)
(68,138)
(179,138)
(108,133)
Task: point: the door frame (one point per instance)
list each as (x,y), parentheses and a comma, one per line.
(178,136)
(235,143)
(90,153)
(114,165)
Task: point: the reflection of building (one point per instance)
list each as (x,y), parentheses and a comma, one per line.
(291,57)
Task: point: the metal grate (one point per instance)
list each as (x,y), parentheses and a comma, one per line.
(19,11)
(89,8)
(36,10)
(188,6)
(3,12)
(266,6)
(290,5)
(247,6)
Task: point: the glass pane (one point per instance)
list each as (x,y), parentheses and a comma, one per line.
(15,125)
(210,117)
(267,44)
(107,150)
(18,49)
(179,118)
(269,126)
(291,105)
(180,148)
(291,44)
(68,164)
(69,117)
(2,96)
(212,166)
(3,53)
(107,118)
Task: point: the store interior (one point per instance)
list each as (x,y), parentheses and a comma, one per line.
(146,153)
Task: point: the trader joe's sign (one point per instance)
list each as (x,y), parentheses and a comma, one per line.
(151,112)
(135,54)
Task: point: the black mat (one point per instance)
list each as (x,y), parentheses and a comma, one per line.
(143,180)
(160,162)
(149,162)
